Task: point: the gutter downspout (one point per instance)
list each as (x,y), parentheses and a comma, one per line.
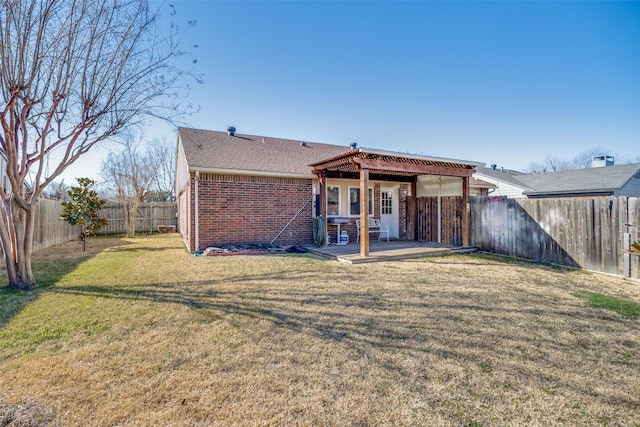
(197,216)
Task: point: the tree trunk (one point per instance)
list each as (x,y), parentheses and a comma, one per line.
(16,235)
(130,214)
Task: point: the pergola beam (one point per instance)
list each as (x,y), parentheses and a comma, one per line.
(373,176)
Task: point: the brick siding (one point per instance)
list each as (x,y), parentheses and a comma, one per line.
(235,209)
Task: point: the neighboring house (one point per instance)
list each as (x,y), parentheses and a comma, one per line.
(621,180)
(235,189)
(505,181)
(480,187)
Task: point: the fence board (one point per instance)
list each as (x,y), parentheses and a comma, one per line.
(149,217)
(580,232)
(633,219)
(49,229)
(450,217)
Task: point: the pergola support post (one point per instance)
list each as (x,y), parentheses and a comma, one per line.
(466,212)
(323,204)
(364,212)
(412,226)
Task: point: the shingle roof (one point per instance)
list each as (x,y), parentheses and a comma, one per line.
(591,180)
(475,182)
(206,149)
(507,175)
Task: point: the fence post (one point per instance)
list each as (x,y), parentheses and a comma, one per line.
(626,256)
(151,218)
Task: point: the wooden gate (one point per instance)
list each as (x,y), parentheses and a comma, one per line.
(450,219)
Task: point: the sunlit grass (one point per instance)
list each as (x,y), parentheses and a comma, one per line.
(139,332)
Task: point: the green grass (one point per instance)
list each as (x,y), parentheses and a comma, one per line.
(12,301)
(624,307)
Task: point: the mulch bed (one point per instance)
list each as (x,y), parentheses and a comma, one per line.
(249,249)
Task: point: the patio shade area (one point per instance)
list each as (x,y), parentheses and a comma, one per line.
(366,164)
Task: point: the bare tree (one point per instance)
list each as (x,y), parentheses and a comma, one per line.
(129,173)
(72,73)
(57,190)
(551,163)
(162,153)
(536,167)
(582,160)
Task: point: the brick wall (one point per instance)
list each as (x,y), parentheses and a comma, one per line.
(402,209)
(236,209)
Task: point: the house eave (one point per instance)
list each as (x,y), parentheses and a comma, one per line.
(574,193)
(245,172)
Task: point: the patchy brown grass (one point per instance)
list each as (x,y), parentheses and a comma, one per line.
(142,333)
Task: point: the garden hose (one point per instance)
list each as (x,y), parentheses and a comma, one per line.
(318,230)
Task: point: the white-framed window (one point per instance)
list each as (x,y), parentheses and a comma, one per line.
(354,201)
(333,201)
(386,203)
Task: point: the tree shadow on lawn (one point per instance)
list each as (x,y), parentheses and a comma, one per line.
(49,266)
(461,331)
(139,248)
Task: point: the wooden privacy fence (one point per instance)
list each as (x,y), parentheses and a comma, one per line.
(150,216)
(587,233)
(444,214)
(49,229)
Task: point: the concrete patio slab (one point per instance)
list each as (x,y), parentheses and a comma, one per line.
(394,250)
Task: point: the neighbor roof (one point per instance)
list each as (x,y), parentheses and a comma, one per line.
(478,183)
(214,150)
(600,180)
(604,179)
(505,175)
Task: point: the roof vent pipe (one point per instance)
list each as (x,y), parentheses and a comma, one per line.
(353,145)
(231,131)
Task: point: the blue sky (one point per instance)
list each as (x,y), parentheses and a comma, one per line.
(495,82)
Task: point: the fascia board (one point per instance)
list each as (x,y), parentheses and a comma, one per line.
(245,172)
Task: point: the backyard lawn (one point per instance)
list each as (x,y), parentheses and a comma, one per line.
(139,332)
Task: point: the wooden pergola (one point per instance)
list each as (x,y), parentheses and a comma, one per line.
(377,165)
